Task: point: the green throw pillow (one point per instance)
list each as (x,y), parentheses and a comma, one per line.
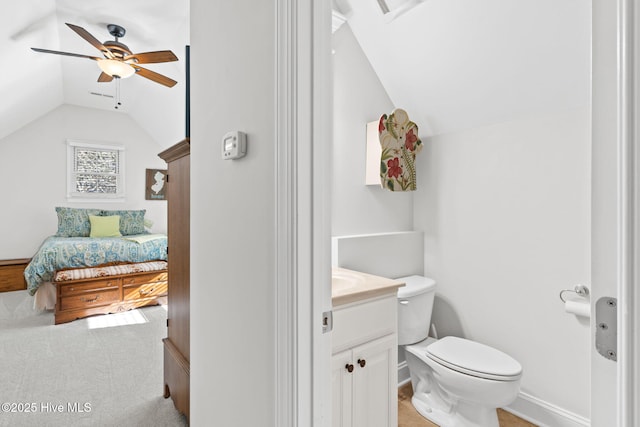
(131,221)
(105,226)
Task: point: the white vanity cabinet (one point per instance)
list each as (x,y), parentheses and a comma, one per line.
(364,363)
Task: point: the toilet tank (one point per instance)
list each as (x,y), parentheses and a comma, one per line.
(415,304)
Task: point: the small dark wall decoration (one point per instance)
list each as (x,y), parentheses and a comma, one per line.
(156,184)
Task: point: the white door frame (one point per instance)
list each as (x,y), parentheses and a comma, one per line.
(628,407)
(303,212)
(614,385)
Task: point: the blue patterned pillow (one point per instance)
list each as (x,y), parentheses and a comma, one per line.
(131,222)
(74,222)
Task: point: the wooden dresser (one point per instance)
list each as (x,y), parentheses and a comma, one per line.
(12,274)
(176,345)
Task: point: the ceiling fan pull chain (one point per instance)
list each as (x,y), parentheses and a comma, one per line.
(118,103)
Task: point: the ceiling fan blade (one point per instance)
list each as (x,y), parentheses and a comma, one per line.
(152,75)
(152,57)
(94,41)
(104,78)
(95,58)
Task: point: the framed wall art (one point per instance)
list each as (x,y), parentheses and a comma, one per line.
(156,184)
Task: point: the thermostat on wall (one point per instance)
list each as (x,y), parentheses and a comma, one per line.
(234,145)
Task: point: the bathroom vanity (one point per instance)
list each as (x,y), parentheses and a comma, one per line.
(364,367)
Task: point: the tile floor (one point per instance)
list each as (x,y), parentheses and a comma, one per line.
(409,417)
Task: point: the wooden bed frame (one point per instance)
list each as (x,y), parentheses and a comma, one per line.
(80,298)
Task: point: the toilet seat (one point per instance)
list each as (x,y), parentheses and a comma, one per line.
(472,358)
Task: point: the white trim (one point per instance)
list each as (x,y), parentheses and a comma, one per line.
(74,196)
(102,145)
(545,414)
(322,134)
(633,398)
(337,19)
(302,212)
(403,373)
(286,343)
(628,365)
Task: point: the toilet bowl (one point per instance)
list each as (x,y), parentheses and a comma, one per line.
(456,382)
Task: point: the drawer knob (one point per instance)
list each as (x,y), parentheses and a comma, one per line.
(349,367)
(362,362)
(94,299)
(143,292)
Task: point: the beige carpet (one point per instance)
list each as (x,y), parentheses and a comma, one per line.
(101,371)
(409,417)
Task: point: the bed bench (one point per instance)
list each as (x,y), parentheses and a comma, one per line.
(82,292)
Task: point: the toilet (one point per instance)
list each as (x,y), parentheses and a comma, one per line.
(456,382)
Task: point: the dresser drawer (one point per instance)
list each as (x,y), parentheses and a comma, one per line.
(148,290)
(72,288)
(90,299)
(158,276)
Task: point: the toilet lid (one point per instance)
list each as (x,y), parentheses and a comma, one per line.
(472,358)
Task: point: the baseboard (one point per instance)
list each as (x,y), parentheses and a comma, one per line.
(527,407)
(545,414)
(403,373)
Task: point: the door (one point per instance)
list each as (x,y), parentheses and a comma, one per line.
(614,399)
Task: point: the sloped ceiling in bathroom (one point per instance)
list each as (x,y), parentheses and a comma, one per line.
(460,64)
(33,84)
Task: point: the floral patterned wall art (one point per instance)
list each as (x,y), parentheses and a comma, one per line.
(400,144)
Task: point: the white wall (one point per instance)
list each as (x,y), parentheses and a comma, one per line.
(33,167)
(463,64)
(232,206)
(506,214)
(360,98)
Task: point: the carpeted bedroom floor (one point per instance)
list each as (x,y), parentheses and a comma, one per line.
(100,371)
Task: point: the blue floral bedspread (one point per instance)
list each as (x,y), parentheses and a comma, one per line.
(68,252)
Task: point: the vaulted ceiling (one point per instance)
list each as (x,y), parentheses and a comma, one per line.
(452,64)
(33,84)
(459,64)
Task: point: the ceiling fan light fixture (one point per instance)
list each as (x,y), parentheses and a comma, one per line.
(116,68)
(119,62)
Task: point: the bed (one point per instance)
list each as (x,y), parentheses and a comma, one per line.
(80,272)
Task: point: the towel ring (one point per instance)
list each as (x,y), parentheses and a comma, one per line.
(580,290)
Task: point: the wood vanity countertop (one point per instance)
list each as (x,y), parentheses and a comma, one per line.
(362,286)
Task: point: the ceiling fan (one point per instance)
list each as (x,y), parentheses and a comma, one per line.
(119,61)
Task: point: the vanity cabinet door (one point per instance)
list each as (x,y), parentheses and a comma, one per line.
(341,389)
(375,383)
(364,385)
(364,372)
